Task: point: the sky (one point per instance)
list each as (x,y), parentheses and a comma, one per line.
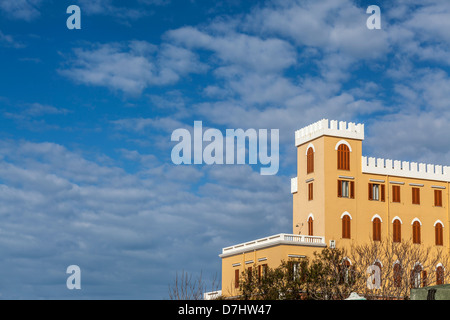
(86,118)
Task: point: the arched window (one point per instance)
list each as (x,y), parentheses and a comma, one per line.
(343,157)
(438,234)
(310,160)
(416,231)
(440,275)
(346,227)
(418,277)
(310,226)
(376,227)
(397,232)
(397,275)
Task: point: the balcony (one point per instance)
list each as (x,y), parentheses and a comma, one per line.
(278,239)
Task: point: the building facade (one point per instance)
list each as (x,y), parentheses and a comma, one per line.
(341,197)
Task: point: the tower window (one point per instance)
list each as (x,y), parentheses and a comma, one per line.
(343,155)
(310,160)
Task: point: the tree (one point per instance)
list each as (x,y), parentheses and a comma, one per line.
(331,275)
(401,266)
(285,282)
(185,287)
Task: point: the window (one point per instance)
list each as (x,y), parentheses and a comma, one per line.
(343,155)
(346,227)
(262,271)
(438,234)
(397,275)
(310,160)
(418,277)
(438,198)
(397,232)
(310,226)
(236,278)
(416,231)
(310,191)
(439,275)
(395,193)
(415,195)
(346,189)
(376,192)
(376,226)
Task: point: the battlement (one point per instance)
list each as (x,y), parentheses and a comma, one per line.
(330,128)
(405,169)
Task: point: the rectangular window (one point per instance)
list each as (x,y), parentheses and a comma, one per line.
(438,198)
(236,278)
(310,191)
(376,192)
(415,195)
(395,193)
(346,189)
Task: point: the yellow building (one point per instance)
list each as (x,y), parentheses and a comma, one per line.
(341,197)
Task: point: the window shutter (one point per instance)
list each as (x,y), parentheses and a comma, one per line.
(352,189)
(382,192)
(339,188)
(236,278)
(370,192)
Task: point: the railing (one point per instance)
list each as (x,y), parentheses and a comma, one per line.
(282,238)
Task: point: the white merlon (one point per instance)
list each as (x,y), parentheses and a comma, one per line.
(294,185)
(330,128)
(405,169)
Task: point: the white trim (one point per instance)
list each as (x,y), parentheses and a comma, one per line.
(397,182)
(376,180)
(416,184)
(310,216)
(346,177)
(378,260)
(346,214)
(438,221)
(296,256)
(414,220)
(438,187)
(346,258)
(397,218)
(439,265)
(377,216)
(310,146)
(249,261)
(343,142)
(262,259)
(236,264)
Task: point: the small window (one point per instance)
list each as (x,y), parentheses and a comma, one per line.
(236,278)
(310,226)
(395,193)
(416,232)
(376,192)
(439,237)
(346,189)
(415,195)
(397,232)
(310,160)
(397,275)
(346,227)
(438,198)
(343,155)
(376,226)
(262,271)
(440,275)
(310,191)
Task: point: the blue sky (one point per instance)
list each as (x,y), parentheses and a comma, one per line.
(86,118)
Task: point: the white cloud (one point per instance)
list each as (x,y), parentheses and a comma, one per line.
(131,68)
(21,9)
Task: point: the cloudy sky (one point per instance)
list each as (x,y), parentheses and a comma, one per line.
(86,118)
